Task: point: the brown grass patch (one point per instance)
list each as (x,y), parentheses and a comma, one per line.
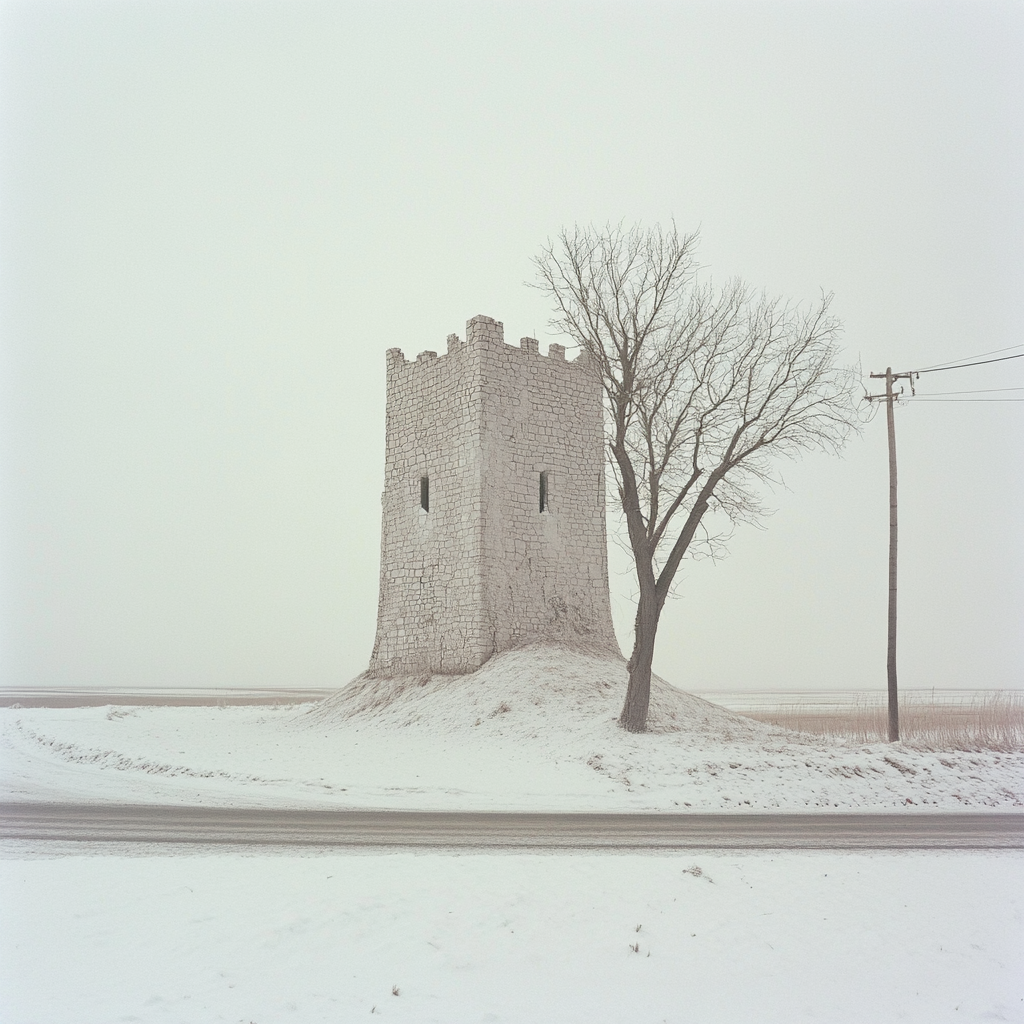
(990,721)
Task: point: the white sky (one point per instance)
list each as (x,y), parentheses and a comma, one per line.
(216,218)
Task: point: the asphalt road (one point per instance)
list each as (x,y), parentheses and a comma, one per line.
(84,697)
(507,831)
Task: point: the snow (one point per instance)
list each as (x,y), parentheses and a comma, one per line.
(103,933)
(723,938)
(534,729)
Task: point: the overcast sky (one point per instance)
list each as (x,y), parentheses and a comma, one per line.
(216,218)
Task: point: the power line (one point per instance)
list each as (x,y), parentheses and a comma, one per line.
(963,366)
(891,398)
(980,355)
(979,391)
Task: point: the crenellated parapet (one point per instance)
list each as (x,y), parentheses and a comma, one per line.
(483,331)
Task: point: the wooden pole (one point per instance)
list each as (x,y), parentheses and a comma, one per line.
(890,661)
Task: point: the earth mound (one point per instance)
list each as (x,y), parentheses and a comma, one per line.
(533,690)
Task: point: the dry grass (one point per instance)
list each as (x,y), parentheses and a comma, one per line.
(991,721)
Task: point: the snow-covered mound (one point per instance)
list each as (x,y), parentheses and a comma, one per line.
(532,730)
(538,689)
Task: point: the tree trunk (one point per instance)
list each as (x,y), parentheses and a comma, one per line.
(638,692)
(648,610)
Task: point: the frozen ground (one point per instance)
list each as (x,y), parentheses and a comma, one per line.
(94,934)
(532,939)
(532,730)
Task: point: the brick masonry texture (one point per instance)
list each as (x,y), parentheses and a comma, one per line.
(483,569)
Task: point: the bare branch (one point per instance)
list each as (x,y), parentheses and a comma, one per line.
(703,390)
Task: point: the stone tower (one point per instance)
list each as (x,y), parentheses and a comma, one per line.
(494,514)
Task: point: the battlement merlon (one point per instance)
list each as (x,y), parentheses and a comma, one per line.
(481,330)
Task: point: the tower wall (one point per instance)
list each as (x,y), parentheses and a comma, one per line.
(545,574)
(485,569)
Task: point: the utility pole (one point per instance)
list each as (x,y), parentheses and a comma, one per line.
(890,663)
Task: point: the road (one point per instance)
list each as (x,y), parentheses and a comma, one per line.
(176,697)
(507,831)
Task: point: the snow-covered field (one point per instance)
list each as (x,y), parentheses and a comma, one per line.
(532,939)
(532,730)
(94,934)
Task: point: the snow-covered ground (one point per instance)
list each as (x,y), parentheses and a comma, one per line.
(96,934)
(723,938)
(533,729)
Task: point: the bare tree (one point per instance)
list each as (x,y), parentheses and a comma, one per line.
(703,388)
